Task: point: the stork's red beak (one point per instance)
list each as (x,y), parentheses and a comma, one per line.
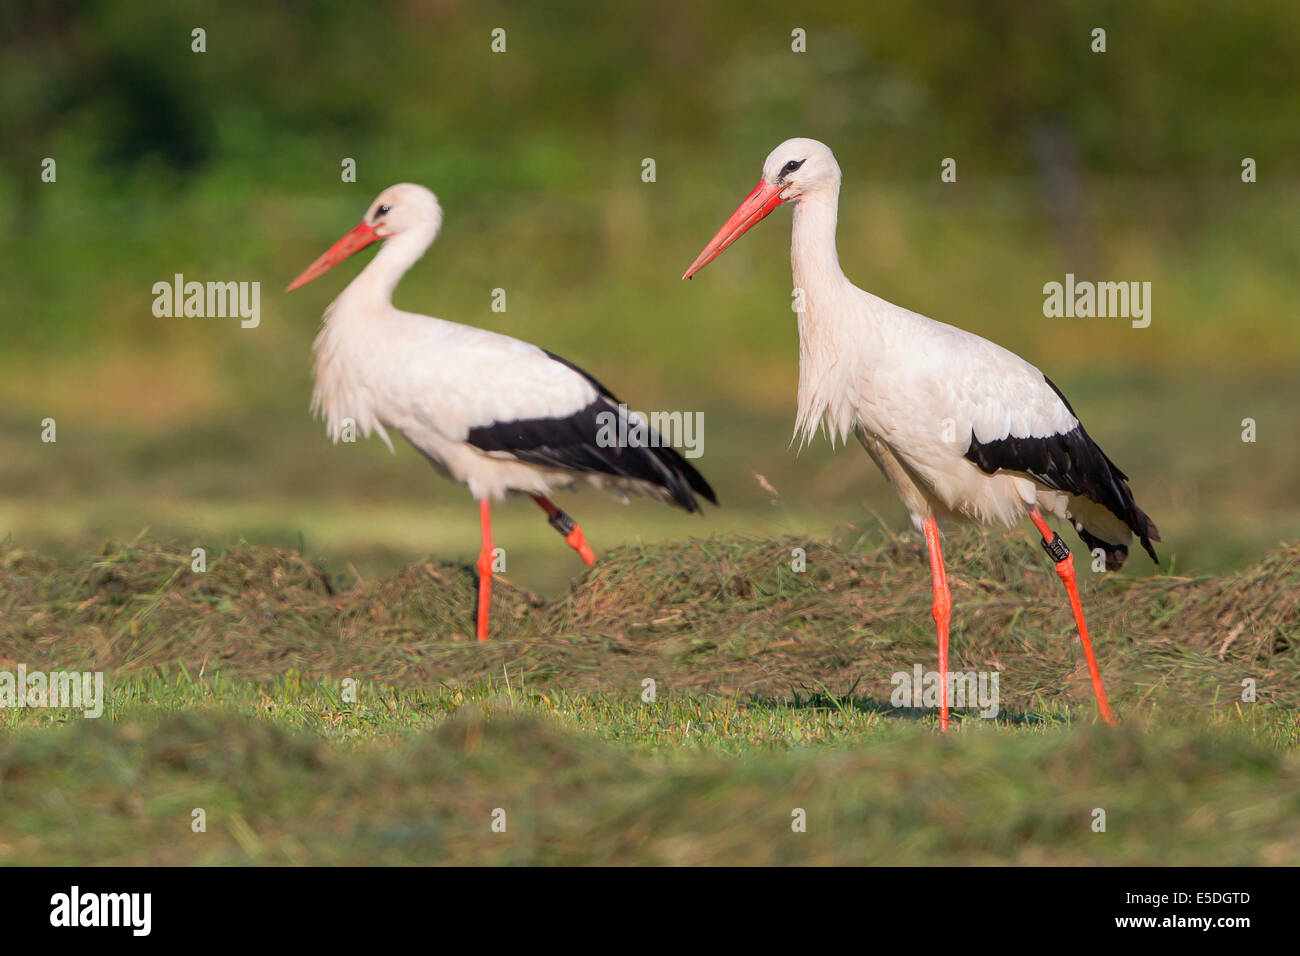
(356,239)
(756,206)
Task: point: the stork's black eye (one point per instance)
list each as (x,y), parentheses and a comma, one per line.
(382,210)
(791,166)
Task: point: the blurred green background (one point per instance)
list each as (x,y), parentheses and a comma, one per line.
(225,165)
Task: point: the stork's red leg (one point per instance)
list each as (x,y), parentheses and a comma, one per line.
(942,610)
(563,523)
(1060,553)
(484,568)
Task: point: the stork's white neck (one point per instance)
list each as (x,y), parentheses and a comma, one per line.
(812,249)
(375,284)
(826,319)
(340,369)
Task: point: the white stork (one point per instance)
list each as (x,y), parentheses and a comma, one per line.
(491,412)
(960,426)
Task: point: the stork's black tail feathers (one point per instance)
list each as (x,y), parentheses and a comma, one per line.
(1075,464)
(1120,503)
(678,470)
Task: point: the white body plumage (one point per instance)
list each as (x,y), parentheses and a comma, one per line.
(465,397)
(959,425)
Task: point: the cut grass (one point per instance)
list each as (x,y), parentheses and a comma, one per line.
(226,692)
(723,614)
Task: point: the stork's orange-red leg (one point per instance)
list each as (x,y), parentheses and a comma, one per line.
(563,523)
(484,568)
(1060,553)
(942,610)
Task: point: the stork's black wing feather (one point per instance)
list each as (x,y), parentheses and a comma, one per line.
(578,442)
(1073,463)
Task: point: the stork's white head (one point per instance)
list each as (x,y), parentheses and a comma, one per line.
(404,209)
(801,167)
(796,169)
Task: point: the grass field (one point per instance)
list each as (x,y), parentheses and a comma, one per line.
(226,692)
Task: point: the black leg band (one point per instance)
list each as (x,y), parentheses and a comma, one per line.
(1056,549)
(562,523)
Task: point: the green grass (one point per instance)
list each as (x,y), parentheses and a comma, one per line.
(404,779)
(320,719)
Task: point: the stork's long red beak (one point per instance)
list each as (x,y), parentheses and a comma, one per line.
(356,239)
(756,206)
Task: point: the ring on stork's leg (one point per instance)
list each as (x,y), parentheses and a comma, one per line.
(562,522)
(1056,549)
